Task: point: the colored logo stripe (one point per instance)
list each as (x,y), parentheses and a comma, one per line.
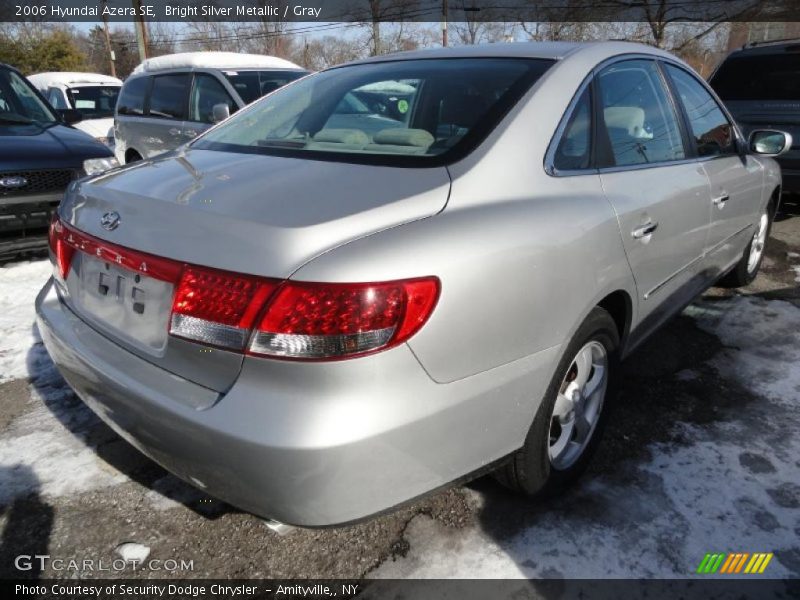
(734,562)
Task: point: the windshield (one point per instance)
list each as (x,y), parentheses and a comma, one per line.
(765,77)
(19,103)
(94,101)
(414,112)
(251,85)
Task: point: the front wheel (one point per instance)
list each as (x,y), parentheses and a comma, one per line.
(747,268)
(570,419)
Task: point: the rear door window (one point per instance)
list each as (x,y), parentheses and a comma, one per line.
(168,96)
(637,113)
(131,99)
(712,131)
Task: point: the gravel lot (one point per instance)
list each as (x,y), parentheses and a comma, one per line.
(702,454)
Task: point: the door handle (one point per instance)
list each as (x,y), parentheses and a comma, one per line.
(644,230)
(720,201)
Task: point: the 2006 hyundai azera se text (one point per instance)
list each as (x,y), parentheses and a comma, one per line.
(400,272)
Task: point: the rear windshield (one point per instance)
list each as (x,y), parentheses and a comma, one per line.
(412,113)
(94,101)
(765,77)
(251,85)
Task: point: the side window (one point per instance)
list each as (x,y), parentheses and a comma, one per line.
(56,99)
(640,120)
(574,149)
(168,96)
(711,130)
(131,98)
(206,93)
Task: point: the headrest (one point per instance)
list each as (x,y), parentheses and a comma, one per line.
(629,118)
(404,137)
(354,137)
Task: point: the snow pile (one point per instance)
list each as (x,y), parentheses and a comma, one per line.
(19,285)
(47,449)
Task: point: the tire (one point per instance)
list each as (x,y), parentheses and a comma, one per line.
(538,469)
(132,157)
(749,264)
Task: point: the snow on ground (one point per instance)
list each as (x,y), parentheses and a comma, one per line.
(731,486)
(19,285)
(46,449)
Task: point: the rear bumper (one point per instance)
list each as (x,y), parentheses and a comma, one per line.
(309,444)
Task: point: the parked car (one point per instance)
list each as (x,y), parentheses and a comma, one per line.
(316,324)
(760,85)
(40,154)
(168,100)
(92,94)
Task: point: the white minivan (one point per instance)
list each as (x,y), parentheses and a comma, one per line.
(168,100)
(92,94)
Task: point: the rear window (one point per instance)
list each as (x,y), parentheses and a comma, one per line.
(765,77)
(251,85)
(415,112)
(94,101)
(131,98)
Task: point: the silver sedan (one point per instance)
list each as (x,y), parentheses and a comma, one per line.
(338,300)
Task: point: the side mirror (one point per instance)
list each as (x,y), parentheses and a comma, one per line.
(768,142)
(220,112)
(70,116)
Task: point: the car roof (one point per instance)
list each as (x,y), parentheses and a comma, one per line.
(546,50)
(71,78)
(213,60)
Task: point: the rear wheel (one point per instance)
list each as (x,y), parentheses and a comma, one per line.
(747,268)
(132,156)
(570,420)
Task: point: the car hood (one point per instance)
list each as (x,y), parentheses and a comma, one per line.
(57,146)
(249,213)
(97,127)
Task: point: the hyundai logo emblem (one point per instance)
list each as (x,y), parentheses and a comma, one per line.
(13,182)
(110,221)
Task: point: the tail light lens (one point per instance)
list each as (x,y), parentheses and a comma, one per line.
(334,320)
(62,251)
(281,319)
(217,307)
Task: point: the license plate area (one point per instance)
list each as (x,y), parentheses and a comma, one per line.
(131,306)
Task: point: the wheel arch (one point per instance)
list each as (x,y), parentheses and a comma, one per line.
(620,306)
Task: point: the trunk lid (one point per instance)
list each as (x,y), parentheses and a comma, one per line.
(250,214)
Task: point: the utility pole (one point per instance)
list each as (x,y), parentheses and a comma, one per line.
(141,30)
(111,56)
(444,23)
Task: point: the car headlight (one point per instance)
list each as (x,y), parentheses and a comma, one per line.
(95,166)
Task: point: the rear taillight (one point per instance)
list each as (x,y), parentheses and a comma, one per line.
(217,307)
(62,251)
(334,320)
(269,317)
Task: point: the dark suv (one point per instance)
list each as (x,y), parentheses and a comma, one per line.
(760,85)
(39,155)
